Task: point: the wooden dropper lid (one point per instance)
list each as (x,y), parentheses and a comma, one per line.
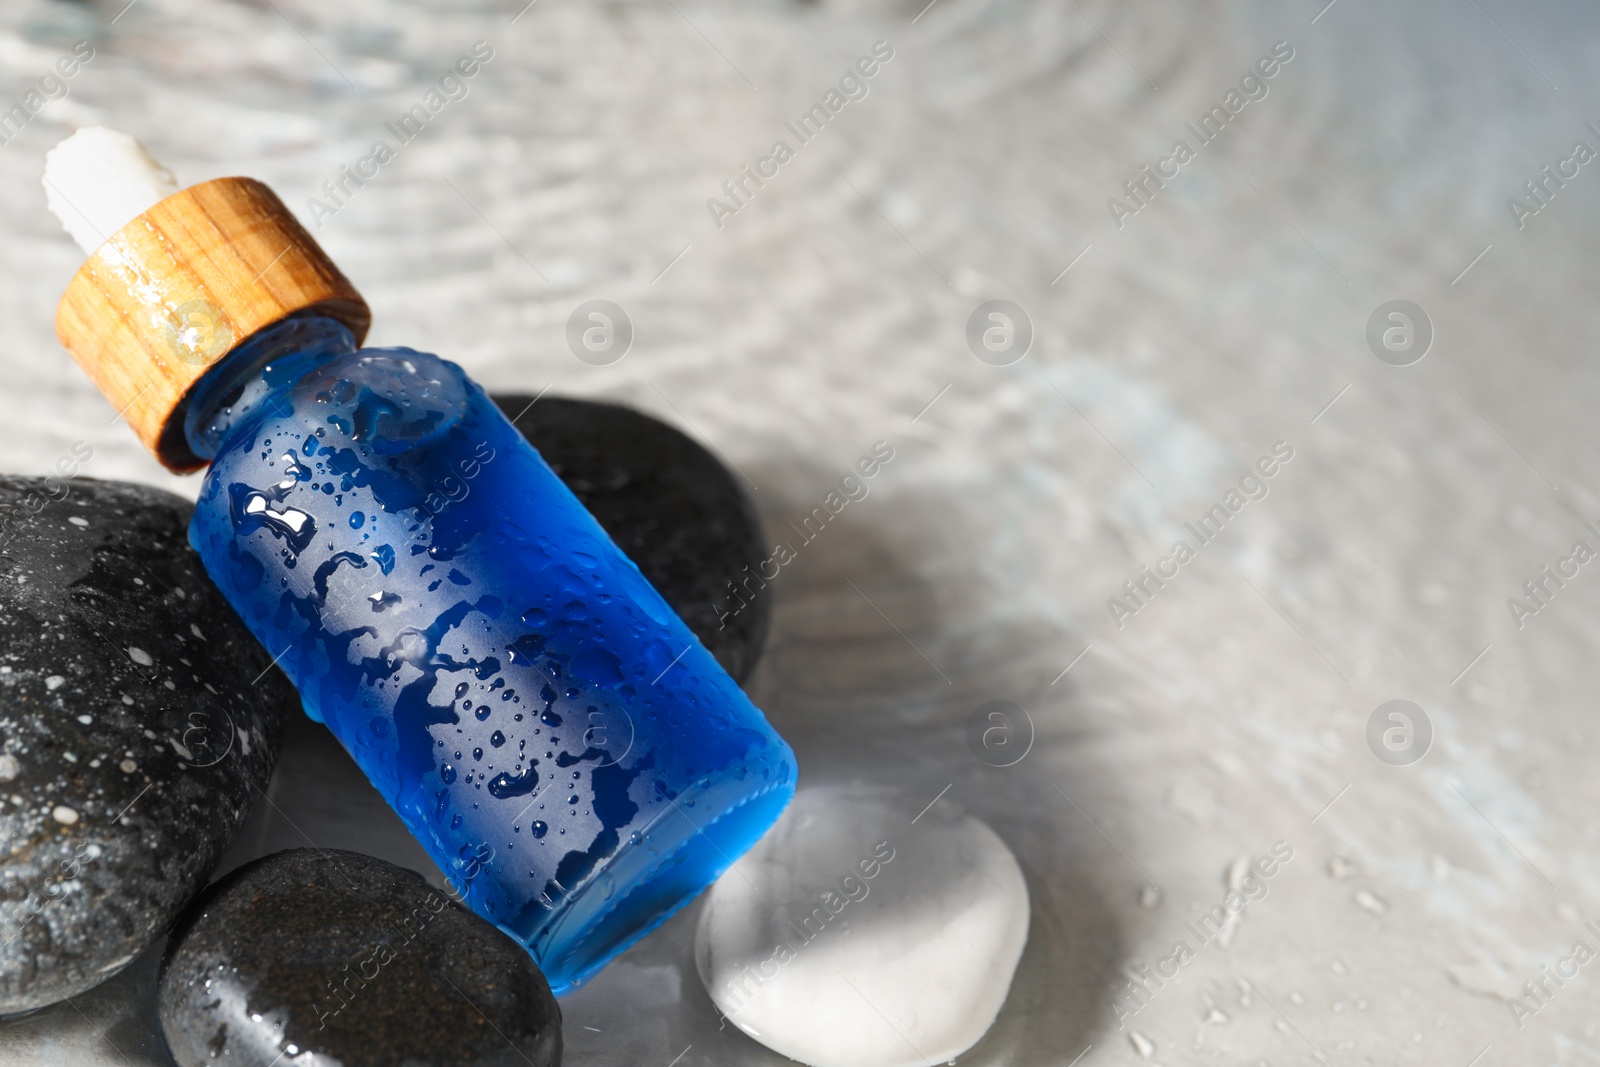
(187,281)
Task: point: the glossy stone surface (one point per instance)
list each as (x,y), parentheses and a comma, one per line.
(851,936)
(326,956)
(138,720)
(669,503)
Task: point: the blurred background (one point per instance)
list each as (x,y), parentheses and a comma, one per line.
(1217,314)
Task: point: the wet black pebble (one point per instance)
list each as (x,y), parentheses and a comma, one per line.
(671,505)
(341,958)
(138,721)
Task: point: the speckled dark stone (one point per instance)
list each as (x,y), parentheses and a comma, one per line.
(355,961)
(133,731)
(671,505)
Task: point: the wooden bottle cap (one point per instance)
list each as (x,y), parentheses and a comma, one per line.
(184,284)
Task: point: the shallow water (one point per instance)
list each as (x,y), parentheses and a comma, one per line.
(1230,710)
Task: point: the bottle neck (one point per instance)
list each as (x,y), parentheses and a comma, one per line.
(252,375)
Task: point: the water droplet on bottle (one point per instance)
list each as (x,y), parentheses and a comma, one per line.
(383,601)
(538,828)
(375,417)
(252,510)
(505,784)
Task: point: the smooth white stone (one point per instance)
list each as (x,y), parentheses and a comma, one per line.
(807,954)
(98,180)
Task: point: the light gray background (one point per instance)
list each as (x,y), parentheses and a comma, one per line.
(1225,716)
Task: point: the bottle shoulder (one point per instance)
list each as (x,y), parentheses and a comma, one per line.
(381,400)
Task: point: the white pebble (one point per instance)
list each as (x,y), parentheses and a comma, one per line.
(64,815)
(9,767)
(848,935)
(78,520)
(141,657)
(54,682)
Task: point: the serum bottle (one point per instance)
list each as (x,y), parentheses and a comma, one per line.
(563,747)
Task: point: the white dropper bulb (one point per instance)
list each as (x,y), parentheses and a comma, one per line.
(98,180)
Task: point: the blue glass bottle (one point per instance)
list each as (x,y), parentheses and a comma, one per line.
(549,729)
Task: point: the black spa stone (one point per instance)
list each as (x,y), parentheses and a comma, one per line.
(138,720)
(333,957)
(670,504)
